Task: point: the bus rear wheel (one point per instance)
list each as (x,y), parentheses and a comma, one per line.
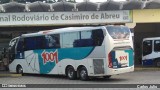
(83,74)
(107,77)
(157,63)
(19,70)
(71,73)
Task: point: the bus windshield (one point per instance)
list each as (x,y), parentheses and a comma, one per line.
(147,47)
(118,32)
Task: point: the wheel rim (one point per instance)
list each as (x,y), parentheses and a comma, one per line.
(70,73)
(20,70)
(83,74)
(158,63)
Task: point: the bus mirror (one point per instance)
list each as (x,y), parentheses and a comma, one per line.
(4,50)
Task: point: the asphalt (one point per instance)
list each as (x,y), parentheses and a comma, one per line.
(137,68)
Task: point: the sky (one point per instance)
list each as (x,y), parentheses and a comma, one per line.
(98,0)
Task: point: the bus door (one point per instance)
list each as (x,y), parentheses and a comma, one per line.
(11,49)
(20,49)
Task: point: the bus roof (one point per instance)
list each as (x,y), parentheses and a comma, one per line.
(61,30)
(151,38)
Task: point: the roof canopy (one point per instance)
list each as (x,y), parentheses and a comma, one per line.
(13,7)
(130,5)
(155,4)
(86,6)
(110,5)
(63,6)
(82,6)
(38,7)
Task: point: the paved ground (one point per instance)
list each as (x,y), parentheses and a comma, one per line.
(138,77)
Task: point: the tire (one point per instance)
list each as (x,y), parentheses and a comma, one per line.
(19,70)
(107,77)
(157,63)
(71,73)
(83,74)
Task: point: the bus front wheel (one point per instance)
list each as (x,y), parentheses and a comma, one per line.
(71,73)
(83,74)
(19,70)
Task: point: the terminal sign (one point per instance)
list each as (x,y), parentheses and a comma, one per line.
(63,18)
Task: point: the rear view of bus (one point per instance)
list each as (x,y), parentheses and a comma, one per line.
(119,48)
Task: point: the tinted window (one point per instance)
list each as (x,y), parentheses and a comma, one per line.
(97,36)
(32,43)
(68,39)
(84,40)
(52,41)
(147,47)
(20,45)
(89,38)
(157,45)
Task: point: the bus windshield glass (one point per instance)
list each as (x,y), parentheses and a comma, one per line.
(147,47)
(118,32)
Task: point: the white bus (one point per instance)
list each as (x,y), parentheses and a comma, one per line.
(77,52)
(151,51)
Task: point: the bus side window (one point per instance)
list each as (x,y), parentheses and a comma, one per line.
(68,39)
(98,37)
(52,41)
(157,45)
(32,43)
(85,39)
(147,47)
(40,42)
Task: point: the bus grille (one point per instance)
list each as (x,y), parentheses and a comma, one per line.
(98,66)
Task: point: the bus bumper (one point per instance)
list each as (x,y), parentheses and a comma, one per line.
(121,70)
(115,71)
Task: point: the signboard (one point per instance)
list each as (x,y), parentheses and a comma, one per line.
(64,18)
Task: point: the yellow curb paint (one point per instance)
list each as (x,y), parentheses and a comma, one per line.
(151,69)
(12,75)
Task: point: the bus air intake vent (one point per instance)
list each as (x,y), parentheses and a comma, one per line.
(98,66)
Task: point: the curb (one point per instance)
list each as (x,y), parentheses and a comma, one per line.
(10,75)
(147,69)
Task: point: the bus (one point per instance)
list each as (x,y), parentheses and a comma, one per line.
(151,51)
(77,52)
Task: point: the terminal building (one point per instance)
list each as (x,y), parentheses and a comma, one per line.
(19,18)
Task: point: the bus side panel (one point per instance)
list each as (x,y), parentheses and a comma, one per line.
(32,62)
(149,60)
(55,61)
(78,57)
(15,63)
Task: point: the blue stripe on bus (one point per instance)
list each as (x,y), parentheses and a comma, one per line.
(147,62)
(65,53)
(131,57)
